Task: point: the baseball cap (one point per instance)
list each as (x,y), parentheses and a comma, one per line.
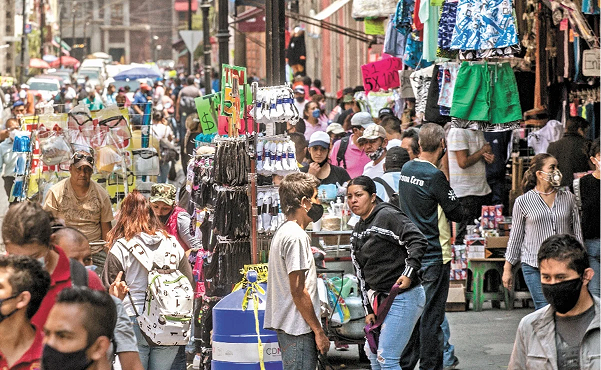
(18,103)
(396,157)
(373,132)
(82,158)
(24,86)
(347,99)
(363,119)
(145,87)
(163,193)
(335,128)
(67,82)
(319,138)
(385,112)
(299,89)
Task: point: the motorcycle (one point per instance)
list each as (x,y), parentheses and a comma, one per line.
(342,313)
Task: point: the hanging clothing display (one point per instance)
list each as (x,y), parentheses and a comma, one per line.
(448,72)
(483,25)
(395,40)
(539,140)
(432,111)
(420,82)
(430,16)
(445,30)
(486,95)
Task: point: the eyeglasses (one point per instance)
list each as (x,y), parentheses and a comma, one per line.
(77,157)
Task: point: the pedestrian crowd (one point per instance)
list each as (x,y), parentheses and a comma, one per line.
(405,185)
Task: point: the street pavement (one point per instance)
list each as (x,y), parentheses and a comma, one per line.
(483,340)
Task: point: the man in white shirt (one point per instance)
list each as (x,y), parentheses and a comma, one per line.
(70,93)
(468,153)
(374,144)
(299,99)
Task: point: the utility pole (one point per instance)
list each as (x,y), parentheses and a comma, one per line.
(73,27)
(275,47)
(42,26)
(223,35)
(60,31)
(23,41)
(86,49)
(190,52)
(205,7)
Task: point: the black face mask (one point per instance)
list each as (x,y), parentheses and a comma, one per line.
(323,163)
(53,359)
(563,296)
(300,99)
(444,151)
(315,212)
(2,316)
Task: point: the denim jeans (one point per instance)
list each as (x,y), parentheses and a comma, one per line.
(592,247)
(163,173)
(427,341)
(397,329)
(532,278)
(155,357)
(449,349)
(299,352)
(179,363)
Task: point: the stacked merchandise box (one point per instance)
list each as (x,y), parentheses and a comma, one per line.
(459,263)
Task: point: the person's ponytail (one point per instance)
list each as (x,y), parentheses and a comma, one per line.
(536,164)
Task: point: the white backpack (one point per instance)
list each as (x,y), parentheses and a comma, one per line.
(168,306)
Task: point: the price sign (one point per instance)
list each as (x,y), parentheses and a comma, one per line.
(591,65)
(206,106)
(381,75)
(232,93)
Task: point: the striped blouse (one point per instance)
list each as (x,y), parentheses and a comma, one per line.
(534,221)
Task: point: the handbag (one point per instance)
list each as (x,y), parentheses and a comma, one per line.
(372,331)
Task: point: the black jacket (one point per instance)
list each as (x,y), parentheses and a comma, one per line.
(385,246)
(571,154)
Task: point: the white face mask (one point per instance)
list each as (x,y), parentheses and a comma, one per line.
(22,94)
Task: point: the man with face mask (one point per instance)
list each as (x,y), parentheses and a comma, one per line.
(374,144)
(299,99)
(565,333)
(23,285)
(428,200)
(175,219)
(79,331)
(8,159)
(292,306)
(93,101)
(18,109)
(319,148)
(83,204)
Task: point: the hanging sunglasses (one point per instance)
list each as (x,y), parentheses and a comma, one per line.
(112,122)
(77,157)
(145,153)
(81,118)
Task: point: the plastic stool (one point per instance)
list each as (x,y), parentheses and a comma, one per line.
(479,267)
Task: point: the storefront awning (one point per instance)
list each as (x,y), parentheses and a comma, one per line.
(182,5)
(331,9)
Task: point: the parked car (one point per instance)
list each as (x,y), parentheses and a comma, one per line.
(48,87)
(93,74)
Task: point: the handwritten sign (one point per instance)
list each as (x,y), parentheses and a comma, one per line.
(591,65)
(232,93)
(381,75)
(206,106)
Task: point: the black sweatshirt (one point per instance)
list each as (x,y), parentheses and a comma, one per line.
(385,246)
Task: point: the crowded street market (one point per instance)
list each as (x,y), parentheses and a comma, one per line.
(336,184)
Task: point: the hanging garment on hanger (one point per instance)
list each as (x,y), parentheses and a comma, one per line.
(430,16)
(487,93)
(539,140)
(403,18)
(445,30)
(394,41)
(449,77)
(420,82)
(432,112)
(483,25)
(413,52)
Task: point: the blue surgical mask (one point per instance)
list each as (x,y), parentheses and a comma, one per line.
(316,113)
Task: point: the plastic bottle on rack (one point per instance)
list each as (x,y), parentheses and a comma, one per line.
(345,216)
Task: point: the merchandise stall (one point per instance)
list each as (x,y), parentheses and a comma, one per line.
(126,157)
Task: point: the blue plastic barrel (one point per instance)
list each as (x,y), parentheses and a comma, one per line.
(235,336)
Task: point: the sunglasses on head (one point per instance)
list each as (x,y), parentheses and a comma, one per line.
(79,156)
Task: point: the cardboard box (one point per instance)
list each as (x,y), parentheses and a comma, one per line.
(456,298)
(497,242)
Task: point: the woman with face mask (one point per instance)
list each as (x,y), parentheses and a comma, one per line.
(311,116)
(319,151)
(386,249)
(542,211)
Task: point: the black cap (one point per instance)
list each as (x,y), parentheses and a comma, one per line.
(396,157)
(385,112)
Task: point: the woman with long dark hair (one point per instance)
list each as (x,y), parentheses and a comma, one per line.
(386,249)
(542,211)
(137,222)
